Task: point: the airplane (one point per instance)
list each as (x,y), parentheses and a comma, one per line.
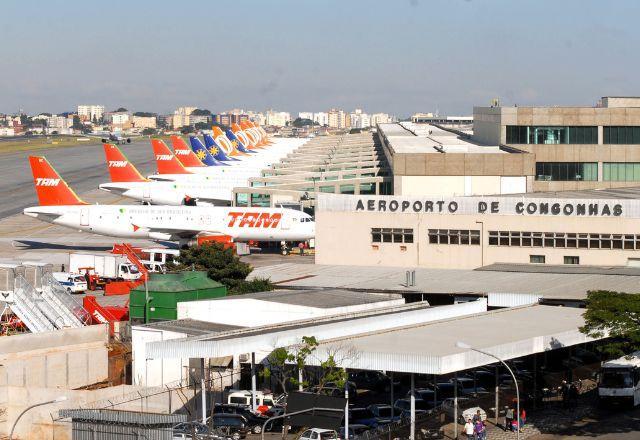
(127,181)
(116,138)
(60,205)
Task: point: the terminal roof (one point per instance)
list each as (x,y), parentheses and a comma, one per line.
(409,138)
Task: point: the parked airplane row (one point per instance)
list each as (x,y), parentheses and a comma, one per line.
(184,178)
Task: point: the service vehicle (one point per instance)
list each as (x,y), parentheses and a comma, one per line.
(72,282)
(243,397)
(318,434)
(619,380)
(106,266)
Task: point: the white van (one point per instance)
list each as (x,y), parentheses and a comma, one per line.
(72,282)
(243,397)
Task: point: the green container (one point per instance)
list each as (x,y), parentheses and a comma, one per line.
(167,290)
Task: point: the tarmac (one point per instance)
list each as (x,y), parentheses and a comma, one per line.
(83,167)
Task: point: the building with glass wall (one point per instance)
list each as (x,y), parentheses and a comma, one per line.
(574,147)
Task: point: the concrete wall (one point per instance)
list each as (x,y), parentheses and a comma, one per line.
(458,185)
(69,358)
(155,372)
(337,231)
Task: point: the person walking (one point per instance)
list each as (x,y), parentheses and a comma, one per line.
(480,429)
(301,247)
(508,419)
(469,429)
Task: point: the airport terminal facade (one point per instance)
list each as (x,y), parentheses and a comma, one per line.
(471,232)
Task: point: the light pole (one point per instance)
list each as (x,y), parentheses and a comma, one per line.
(460,344)
(59,399)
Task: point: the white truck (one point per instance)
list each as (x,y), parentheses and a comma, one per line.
(619,380)
(106,266)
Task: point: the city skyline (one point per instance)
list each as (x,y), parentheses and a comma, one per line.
(395,57)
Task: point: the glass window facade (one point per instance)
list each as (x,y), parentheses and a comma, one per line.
(567,171)
(621,135)
(537,259)
(527,134)
(621,172)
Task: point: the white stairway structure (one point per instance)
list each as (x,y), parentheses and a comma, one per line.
(25,306)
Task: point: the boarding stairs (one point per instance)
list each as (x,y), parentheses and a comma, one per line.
(25,306)
(59,306)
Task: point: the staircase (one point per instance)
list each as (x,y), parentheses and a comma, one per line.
(25,306)
(60,307)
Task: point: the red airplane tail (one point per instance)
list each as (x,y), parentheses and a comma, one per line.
(165,159)
(120,169)
(50,187)
(184,154)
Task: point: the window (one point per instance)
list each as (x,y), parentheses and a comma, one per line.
(536,259)
(391,235)
(571,260)
(567,171)
(561,240)
(524,134)
(621,171)
(454,236)
(621,135)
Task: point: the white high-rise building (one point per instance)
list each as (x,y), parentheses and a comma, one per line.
(321,118)
(380,118)
(305,115)
(277,119)
(359,119)
(90,112)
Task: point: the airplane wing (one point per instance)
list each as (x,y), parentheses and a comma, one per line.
(166,233)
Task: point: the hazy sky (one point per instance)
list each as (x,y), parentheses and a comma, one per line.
(396,56)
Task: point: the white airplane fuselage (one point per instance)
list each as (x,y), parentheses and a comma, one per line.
(174,193)
(175,223)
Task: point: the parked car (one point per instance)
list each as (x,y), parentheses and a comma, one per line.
(233,425)
(466,387)
(362,416)
(466,409)
(354,430)
(370,380)
(405,405)
(255,421)
(318,434)
(185,430)
(384,413)
(428,396)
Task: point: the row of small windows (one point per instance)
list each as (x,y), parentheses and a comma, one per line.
(454,236)
(564,240)
(525,134)
(540,259)
(567,171)
(391,235)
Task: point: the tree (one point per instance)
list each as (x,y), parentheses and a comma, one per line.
(201,126)
(299,122)
(77,124)
(201,112)
(186,129)
(144,114)
(222,265)
(149,131)
(617,315)
(121,109)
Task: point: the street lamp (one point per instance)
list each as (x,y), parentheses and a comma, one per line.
(460,344)
(59,399)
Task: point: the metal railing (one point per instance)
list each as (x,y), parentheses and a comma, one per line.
(25,306)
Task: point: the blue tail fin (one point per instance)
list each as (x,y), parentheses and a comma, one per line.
(215,149)
(202,153)
(239,145)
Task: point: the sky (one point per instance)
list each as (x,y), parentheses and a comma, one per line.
(395,56)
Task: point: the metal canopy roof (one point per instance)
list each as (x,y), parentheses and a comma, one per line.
(267,338)
(430,348)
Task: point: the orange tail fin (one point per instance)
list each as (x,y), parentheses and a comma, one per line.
(185,154)
(50,187)
(166,161)
(120,169)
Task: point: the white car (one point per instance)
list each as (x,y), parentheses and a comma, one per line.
(318,434)
(465,411)
(72,282)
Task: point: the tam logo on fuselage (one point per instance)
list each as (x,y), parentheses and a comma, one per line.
(164,157)
(254,219)
(117,163)
(45,181)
